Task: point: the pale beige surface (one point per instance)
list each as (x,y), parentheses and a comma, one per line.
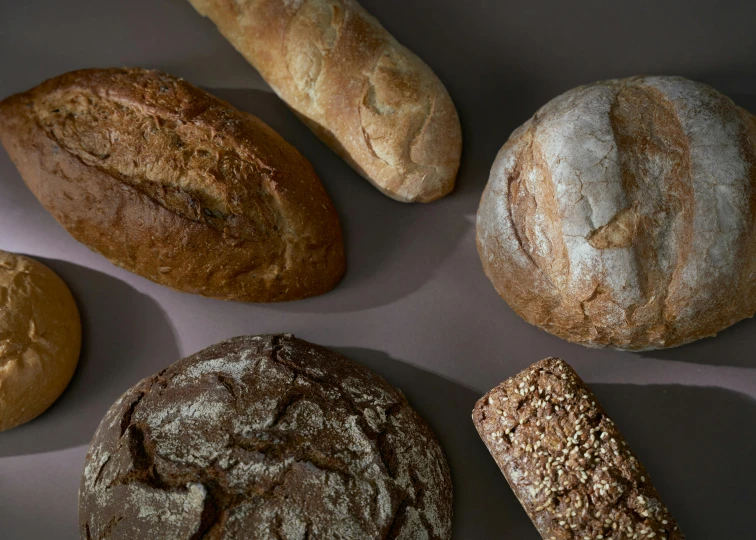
(623,214)
(368,97)
(40,338)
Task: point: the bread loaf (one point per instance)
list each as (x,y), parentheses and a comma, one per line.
(176,185)
(365,95)
(40,338)
(566,460)
(623,214)
(264,437)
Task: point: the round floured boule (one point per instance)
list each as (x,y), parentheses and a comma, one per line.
(623,214)
(264,437)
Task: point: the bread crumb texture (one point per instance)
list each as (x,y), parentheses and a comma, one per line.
(264,437)
(623,214)
(40,338)
(566,460)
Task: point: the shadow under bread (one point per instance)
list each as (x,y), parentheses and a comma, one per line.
(126,337)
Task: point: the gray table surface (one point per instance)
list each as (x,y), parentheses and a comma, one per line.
(415,305)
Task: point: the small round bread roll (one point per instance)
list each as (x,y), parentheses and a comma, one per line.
(623,214)
(264,437)
(40,338)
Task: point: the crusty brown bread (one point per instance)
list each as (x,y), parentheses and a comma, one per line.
(264,437)
(566,461)
(369,98)
(623,214)
(176,185)
(40,338)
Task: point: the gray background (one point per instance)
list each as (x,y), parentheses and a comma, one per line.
(415,305)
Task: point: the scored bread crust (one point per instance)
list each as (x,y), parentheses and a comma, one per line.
(368,97)
(40,338)
(623,214)
(175,185)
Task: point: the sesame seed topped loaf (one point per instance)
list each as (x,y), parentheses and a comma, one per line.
(264,437)
(566,461)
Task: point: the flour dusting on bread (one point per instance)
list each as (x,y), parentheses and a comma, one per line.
(622,215)
(263,435)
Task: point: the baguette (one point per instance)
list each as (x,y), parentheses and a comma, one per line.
(369,98)
(175,185)
(566,461)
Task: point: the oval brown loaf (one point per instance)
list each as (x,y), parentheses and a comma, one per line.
(623,214)
(264,437)
(368,97)
(176,185)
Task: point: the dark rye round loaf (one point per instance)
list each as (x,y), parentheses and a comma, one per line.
(175,185)
(264,437)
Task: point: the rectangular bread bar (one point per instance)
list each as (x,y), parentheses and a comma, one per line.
(566,461)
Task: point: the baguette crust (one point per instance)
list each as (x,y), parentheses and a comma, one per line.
(175,185)
(372,100)
(623,214)
(566,461)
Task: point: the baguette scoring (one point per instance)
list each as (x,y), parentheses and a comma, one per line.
(369,98)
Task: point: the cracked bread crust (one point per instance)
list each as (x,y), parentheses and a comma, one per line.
(566,461)
(623,214)
(373,101)
(175,185)
(40,338)
(264,437)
